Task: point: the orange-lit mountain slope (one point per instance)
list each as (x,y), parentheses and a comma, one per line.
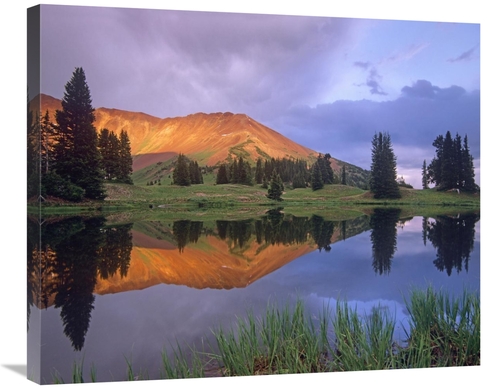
(208,138)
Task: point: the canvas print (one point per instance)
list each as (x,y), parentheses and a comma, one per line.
(218,194)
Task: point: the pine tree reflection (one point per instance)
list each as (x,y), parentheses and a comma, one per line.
(186,231)
(322,231)
(453,238)
(114,254)
(64,265)
(384,238)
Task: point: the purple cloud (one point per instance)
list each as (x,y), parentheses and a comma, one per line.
(424,89)
(466,56)
(372,81)
(423,111)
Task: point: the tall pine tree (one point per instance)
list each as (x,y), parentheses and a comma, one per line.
(125,157)
(383,175)
(76,156)
(33,151)
(425,177)
(316,177)
(468,183)
(181,174)
(222,175)
(259,171)
(344,176)
(276,187)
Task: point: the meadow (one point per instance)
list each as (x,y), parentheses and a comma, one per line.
(235,200)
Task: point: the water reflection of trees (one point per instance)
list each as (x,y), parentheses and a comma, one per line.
(453,238)
(383,236)
(276,228)
(65,259)
(186,231)
(273,228)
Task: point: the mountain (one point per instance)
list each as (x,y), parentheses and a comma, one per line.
(206,138)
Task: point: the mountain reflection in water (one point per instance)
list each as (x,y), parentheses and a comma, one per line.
(77,258)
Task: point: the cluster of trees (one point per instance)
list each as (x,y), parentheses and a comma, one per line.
(272,173)
(116,156)
(238,171)
(292,171)
(289,170)
(69,156)
(452,167)
(186,172)
(322,172)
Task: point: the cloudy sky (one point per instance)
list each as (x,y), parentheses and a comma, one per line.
(327,83)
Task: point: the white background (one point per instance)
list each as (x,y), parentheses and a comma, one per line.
(13,187)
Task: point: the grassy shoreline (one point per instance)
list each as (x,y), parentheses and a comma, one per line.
(235,199)
(443,331)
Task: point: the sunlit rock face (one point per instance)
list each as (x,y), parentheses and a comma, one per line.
(205,137)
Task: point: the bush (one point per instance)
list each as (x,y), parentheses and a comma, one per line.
(54,185)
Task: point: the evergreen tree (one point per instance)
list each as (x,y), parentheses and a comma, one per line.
(326,170)
(195,173)
(265,183)
(233,172)
(181,174)
(383,176)
(299,181)
(268,168)
(46,143)
(125,158)
(458,166)
(33,152)
(434,168)
(316,177)
(76,156)
(452,167)
(241,175)
(425,178)
(109,147)
(344,177)
(222,175)
(448,175)
(275,187)
(468,183)
(259,171)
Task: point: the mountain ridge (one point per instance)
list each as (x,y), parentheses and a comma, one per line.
(208,138)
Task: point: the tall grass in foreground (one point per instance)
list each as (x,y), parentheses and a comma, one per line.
(442,331)
(362,343)
(283,341)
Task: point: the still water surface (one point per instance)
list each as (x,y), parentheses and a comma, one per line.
(112,293)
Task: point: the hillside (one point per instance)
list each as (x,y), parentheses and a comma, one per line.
(207,138)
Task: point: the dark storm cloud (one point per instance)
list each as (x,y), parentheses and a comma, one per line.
(170,63)
(422,112)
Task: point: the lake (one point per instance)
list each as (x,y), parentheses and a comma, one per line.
(111,293)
